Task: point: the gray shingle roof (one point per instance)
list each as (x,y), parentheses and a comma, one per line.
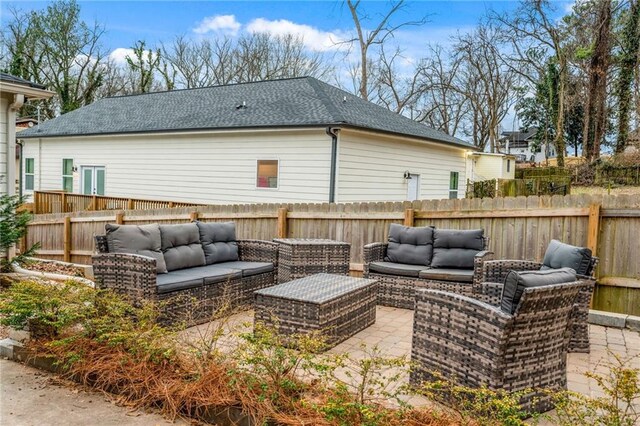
(295,102)
(17,80)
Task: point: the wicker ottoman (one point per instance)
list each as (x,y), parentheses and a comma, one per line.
(301,257)
(337,306)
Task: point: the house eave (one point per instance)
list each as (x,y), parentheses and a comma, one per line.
(28,92)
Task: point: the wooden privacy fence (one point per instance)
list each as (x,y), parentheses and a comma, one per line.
(62,202)
(519,228)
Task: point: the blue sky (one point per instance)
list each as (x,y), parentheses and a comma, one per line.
(320,22)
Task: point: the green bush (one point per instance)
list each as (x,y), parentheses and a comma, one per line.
(46,310)
(13,226)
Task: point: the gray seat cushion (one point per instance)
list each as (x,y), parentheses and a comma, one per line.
(410,245)
(181,246)
(214,273)
(218,241)
(392,268)
(561,255)
(137,239)
(516,282)
(456,248)
(178,280)
(443,274)
(249,268)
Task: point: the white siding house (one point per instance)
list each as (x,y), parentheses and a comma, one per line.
(14,92)
(294,140)
(486,166)
(525,148)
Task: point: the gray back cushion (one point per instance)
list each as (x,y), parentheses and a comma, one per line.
(413,246)
(137,239)
(218,241)
(561,255)
(516,282)
(181,246)
(456,248)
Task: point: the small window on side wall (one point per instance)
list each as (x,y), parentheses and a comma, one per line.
(29,174)
(67,175)
(453,185)
(508,166)
(267,176)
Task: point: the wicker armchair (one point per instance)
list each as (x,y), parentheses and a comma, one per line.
(476,344)
(398,291)
(492,273)
(135,276)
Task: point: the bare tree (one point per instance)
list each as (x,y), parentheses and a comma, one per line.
(56,48)
(441,104)
(397,92)
(486,82)
(535,35)
(366,39)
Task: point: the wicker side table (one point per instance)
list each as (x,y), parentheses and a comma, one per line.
(335,305)
(301,257)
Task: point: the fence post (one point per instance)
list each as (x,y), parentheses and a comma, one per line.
(594,228)
(67,239)
(193,216)
(282,222)
(120,217)
(408,217)
(63,202)
(130,204)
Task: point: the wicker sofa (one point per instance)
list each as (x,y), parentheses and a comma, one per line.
(193,269)
(493,273)
(425,257)
(477,344)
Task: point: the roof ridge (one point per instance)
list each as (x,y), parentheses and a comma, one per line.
(206,87)
(316,85)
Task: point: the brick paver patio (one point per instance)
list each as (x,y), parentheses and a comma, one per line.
(392,335)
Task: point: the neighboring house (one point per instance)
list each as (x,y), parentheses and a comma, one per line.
(523,146)
(14,92)
(291,140)
(487,166)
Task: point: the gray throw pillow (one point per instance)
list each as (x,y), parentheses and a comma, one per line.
(137,239)
(516,282)
(456,248)
(561,255)
(181,246)
(410,245)
(218,241)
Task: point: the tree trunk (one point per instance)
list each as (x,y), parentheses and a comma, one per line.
(559,137)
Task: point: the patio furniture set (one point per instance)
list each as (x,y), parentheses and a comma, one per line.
(501,323)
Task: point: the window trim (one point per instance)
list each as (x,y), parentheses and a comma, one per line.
(32,174)
(255,180)
(67,176)
(457,189)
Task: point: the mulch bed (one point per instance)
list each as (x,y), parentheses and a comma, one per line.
(54,268)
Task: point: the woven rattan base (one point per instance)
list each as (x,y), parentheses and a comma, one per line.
(335,306)
(301,257)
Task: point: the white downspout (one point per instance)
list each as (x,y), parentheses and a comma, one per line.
(18,101)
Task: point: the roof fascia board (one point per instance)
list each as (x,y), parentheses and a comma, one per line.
(411,138)
(29,92)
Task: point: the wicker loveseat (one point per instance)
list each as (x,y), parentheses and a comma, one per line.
(493,273)
(195,268)
(425,257)
(477,344)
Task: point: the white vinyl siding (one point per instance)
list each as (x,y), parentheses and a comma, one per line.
(371,167)
(212,167)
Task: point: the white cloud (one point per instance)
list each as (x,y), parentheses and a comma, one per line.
(313,38)
(119,55)
(219,23)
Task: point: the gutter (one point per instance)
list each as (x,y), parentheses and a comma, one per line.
(333,132)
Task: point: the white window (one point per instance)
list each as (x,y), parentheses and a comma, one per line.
(67,175)
(267,174)
(29,174)
(453,185)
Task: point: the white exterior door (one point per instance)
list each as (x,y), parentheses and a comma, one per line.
(413,187)
(93,180)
